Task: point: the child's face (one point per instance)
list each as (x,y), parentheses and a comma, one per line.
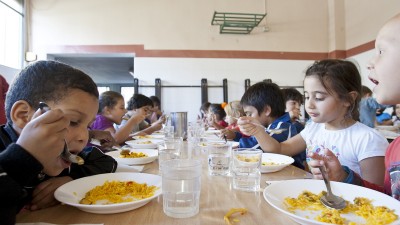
(397,110)
(117,112)
(384,66)
(322,106)
(291,105)
(81,114)
(251,111)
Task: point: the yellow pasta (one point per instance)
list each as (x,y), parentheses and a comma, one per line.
(112,192)
(373,215)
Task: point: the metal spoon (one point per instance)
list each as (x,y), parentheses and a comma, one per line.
(330,200)
(66,154)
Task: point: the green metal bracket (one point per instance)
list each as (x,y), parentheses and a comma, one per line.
(236,23)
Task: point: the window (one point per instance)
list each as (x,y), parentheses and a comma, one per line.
(11,23)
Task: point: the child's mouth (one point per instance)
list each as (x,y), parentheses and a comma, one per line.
(374,81)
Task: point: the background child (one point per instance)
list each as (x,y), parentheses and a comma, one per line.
(384,71)
(293,101)
(140,104)
(368,107)
(156,110)
(31,143)
(216,116)
(233,111)
(263,103)
(332,93)
(396,115)
(111,110)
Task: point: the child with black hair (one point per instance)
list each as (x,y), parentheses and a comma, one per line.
(31,143)
(140,104)
(264,104)
(216,116)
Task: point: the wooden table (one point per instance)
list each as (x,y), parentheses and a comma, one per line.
(216,198)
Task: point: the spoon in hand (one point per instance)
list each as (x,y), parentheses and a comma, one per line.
(330,200)
(66,154)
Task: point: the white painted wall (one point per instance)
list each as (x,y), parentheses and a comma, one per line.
(189,71)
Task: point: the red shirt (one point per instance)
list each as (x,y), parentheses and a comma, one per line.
(3,92)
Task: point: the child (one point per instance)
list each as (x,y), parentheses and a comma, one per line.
(233,111)
(31,142)
(156,110)
(332,93)
(368,107)
(396,115)
(216,116)
(111,110)
(263,103)
(384,71)
(293,100)
(140,104)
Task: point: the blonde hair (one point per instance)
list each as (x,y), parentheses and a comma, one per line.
(234,109)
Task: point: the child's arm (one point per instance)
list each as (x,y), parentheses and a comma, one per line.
(337,172)
(251,127)
(122,134)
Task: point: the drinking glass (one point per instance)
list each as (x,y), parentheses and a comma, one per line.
(169,131)
(181,184)
(246,169)
(169,148)
(219,157)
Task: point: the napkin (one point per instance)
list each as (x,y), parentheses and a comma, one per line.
(126,168)
(41,223)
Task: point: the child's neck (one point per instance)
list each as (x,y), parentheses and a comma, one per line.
(340,124)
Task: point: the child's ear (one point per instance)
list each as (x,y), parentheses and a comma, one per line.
(267,110)
(353,95)
(21,113)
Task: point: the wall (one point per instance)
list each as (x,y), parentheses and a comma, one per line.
(176,26)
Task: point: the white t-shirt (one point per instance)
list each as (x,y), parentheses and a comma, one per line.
(351,145)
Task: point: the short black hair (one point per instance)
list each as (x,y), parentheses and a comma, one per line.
(109,99)
(137,101)
(156,101)
(292,94)
(264,94)
(47,81)
(218,110)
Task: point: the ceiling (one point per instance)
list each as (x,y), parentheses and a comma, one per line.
(103,68)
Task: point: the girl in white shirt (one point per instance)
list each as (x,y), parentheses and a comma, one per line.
(332,93)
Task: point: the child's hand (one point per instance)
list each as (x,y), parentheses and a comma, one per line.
(138,117)
(230,134)
(43,137)
(330,161)
(105,138)
(250,126)
(43,195)
(295,114)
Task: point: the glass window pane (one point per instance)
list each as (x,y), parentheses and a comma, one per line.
(103,89)
(10,37)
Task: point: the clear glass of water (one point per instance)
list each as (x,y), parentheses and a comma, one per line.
(181,184)
(169,131)
(169,149)
(246,165)
(219,158)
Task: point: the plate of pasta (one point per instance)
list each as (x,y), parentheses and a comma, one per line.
(274,162)
(299,199)
(144,143)
(134,156)
(110,192)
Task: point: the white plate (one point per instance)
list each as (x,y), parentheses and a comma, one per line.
(139,143)
(390,128)
(151,153)
(275,194)
(234,144)
(121,168)
(72,192)
(151,136)
(281,160)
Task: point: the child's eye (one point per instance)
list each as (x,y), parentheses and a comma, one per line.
(306,98)
(319,99)
(73,124)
